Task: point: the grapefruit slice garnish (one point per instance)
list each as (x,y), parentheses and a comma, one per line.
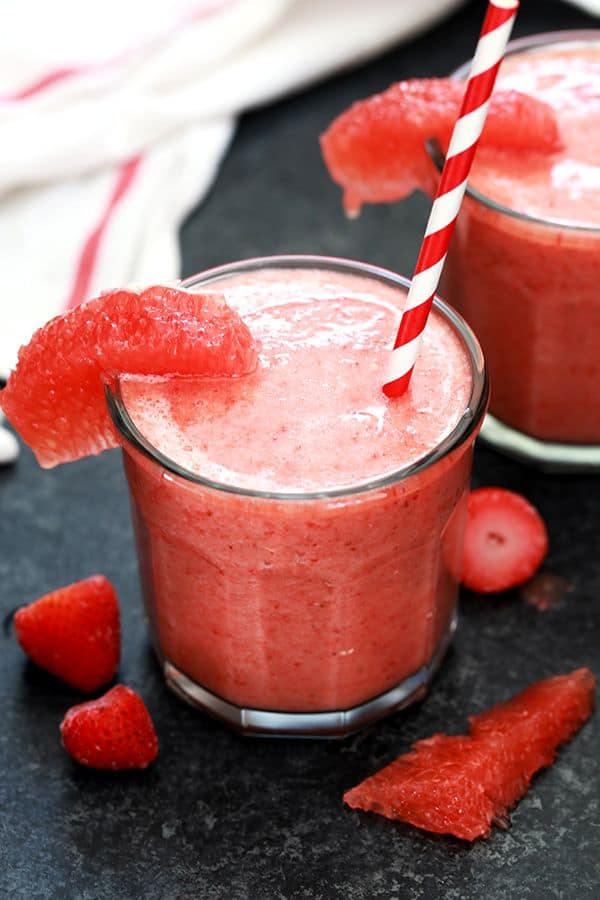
(55,395)
(462,785)
(375,150)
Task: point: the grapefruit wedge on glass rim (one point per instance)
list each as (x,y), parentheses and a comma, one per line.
(54,397)
(376,149)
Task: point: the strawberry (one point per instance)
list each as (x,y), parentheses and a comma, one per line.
(505,540)
(73,632)
(113,732)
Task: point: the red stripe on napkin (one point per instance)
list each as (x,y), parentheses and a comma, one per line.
(89,252)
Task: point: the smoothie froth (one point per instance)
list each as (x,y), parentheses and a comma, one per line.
(565,185)
(313,416)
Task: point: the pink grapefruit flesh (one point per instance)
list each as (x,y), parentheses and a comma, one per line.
(55,395)
(375,150)
(462,785)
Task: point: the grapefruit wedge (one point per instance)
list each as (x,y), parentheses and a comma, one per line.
(55,395)
(462,785)
(375,150)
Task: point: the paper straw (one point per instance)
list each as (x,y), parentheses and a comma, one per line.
(494,36)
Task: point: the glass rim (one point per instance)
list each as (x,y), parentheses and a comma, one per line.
(467,424)
(517,46)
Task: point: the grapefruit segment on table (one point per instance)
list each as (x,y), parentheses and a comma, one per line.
(55,395)
(376,152)
(462,785)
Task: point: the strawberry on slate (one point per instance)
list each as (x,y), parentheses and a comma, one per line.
(505,540)
(113,732)
(74,632)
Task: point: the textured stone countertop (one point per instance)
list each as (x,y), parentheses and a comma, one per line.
(220,816)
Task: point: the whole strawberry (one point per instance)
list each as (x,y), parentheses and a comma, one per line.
(113,732)
(74,632)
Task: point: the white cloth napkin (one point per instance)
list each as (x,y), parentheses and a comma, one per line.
(589,6)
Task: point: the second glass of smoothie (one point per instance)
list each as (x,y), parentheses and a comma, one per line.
(300,534)
(524,263)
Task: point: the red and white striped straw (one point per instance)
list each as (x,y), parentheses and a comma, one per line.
(494,36)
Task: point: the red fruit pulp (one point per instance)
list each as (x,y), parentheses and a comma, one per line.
(375,150)
(461,785)
(55,397)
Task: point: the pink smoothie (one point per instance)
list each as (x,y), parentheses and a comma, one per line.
(530,289)
(304,604)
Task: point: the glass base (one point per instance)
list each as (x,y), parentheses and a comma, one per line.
(550,456)
(333,724)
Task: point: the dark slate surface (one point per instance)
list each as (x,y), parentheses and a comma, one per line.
(224,817)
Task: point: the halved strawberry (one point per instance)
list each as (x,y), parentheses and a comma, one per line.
(74,632)
(505,540)
(113,732)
